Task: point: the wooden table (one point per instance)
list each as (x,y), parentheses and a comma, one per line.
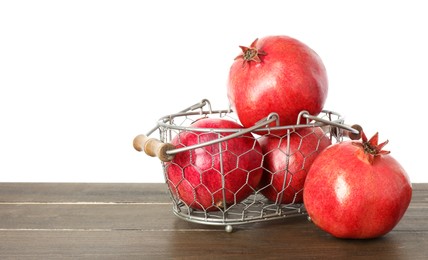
(135,221)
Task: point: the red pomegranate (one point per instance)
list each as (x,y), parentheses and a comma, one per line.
(286,162)
(356,190)
(216,176)
(276,74)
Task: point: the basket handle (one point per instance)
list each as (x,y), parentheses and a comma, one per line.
(153,147)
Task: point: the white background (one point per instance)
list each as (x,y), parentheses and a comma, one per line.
(80,79)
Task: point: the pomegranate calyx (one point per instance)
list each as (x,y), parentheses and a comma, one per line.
(250,53)
(371,147)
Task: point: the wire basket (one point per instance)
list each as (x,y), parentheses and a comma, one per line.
(196,200)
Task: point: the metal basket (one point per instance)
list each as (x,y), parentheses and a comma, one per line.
(255,207)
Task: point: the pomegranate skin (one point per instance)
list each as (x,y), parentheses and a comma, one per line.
(283,178)
(348,196)
(195,176)
(289,78)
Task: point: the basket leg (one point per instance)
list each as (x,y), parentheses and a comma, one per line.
(228,228)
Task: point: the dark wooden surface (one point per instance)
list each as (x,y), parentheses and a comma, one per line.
(135,221)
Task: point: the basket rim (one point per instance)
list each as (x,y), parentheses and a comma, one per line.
(204,108)
(261,126)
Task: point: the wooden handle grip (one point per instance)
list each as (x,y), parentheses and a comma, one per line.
(353,136)
(153,147)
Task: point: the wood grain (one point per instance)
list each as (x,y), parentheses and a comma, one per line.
(135,221)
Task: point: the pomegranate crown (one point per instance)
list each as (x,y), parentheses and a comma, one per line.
(371,147)
(250,53)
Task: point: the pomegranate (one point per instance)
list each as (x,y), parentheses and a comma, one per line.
(286,166)
(216,176)
(356,190)
(276,74)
